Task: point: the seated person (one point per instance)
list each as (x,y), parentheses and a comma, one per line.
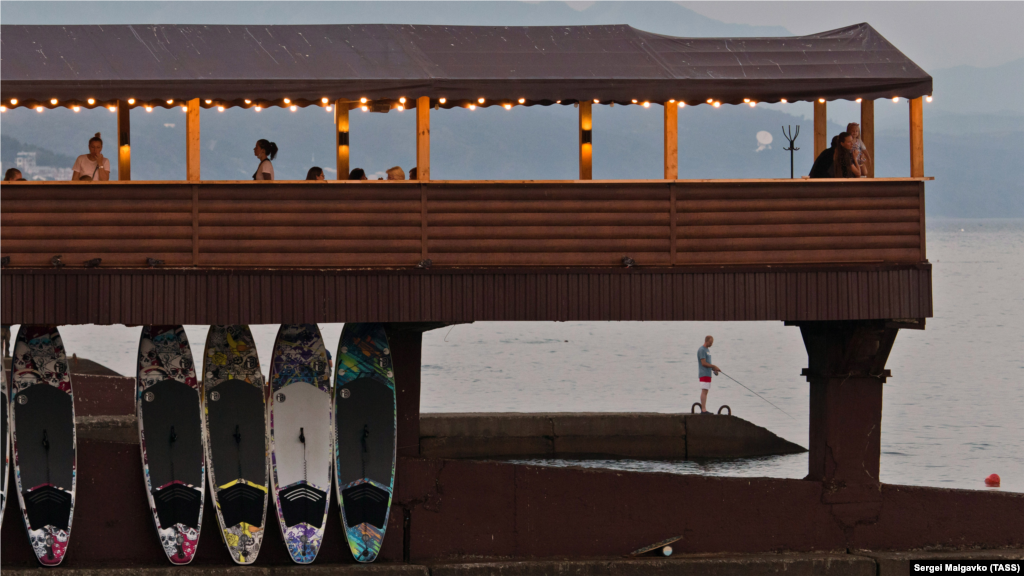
(413,173)
(315,173)
(860,150)
(12,175)
(94,164)
(822,167)
(396,173)
(357,174)
(843,164)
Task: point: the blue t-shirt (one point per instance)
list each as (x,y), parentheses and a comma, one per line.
(703,353)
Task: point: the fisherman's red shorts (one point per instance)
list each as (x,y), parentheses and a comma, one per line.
(705,382)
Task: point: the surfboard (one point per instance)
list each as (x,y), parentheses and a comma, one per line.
(237,438)
(365,437)
(171,436)
(42,422)
(300,437)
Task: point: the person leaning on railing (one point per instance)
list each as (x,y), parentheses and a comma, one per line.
(315,173)
(396,173)
(266,151)
(357,174)
(13,175)
(844,163)
(94,164)
(822,167)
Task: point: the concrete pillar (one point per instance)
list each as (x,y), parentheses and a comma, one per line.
(406,350)
(846,371)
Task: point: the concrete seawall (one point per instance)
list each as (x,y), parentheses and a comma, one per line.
(618,435)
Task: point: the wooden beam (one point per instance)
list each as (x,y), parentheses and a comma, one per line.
(586,142)
(916,138)
(867,131)
(671,141)
(192,141)
(341,137)
(423,138)
(820,127)
(124,149)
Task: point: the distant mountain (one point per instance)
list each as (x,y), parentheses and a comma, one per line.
(971,90)
(9,148)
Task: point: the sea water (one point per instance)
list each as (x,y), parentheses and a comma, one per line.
(952,410)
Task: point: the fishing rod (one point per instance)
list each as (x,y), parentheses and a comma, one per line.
(755,393)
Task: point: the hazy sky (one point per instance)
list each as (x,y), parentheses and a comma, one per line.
(934,34)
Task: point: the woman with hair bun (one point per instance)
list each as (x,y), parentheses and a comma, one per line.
(94,164)
(266,151)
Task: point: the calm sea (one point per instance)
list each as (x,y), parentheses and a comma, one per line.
(952,413)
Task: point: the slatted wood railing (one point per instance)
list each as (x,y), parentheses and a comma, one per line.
(465,224)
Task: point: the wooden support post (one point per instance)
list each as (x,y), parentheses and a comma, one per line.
(423,138)
(917,138)
(586,142)
(406,350)
(124,135)
(820,128)
(671,141)
(192,142)
(341,137)
(867,131)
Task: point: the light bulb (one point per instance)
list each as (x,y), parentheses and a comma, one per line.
(149,108)
(209,101)
(647,104)
(558,101)
(821,100)
(39,108)
(287,101)
(634,100)
(443,100)
(258,108)
(401,100)
(171,102)
(596,101)
(472,106)
(522,100)
(75,108)
(184,109)
(717,104)
(927,98)
(362,100)
(112,108)
(895,99)
(131,101)
(752,104)
(4,108)
(329,108)
(784,101)
(508,106)
(293,108)
(681,103)
(14,101)
(859,100)
(247,101)
(53,101)
(710,100)
(91,101)
(400,107)
(480,100)
(324,100)
(365,108)
(220,108)
(746,99)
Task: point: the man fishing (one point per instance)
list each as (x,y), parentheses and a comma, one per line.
(705,368)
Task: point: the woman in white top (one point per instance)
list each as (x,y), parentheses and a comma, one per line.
(94,164)
(266,151)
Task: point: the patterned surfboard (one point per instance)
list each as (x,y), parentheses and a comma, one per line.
(237,438)
(300,437)
(171,436)
(365,436)
(43,435)
(4,396)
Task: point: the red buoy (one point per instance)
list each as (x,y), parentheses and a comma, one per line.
(992,480)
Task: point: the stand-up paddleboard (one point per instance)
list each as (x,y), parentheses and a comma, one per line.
(237,443)
(5,396)
(365,436)
(43,436)
(171,435)
(300,437)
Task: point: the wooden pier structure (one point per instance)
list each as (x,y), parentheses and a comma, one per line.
(843,260)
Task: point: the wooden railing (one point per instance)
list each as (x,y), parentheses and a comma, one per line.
(464,224)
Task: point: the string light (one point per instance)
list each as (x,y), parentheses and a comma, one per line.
(784,101)
(472,106)
(400,107)
(480,100)
(149,108)
(558,101)
(895,99)
(365,108)
(443,100)
(859,100)
(634,100)
(170,102)
(287,101)
(293,108)
(710,100)
(220,108)
(752,104)
(508,106)
(329,108)
(821,100)
(681,103)
(363,100)
(717,104)
(39,108)
(522,100)
(131,101)
(53,101)
(647,104)
(4,108)
(75,108)
(211,101)
(596,101)
(247,101)
(91,101)
(324,100)
(927,98)
(112,108)
(184,109)
(746,99)
(672,100)
(258,107)
(14,101)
